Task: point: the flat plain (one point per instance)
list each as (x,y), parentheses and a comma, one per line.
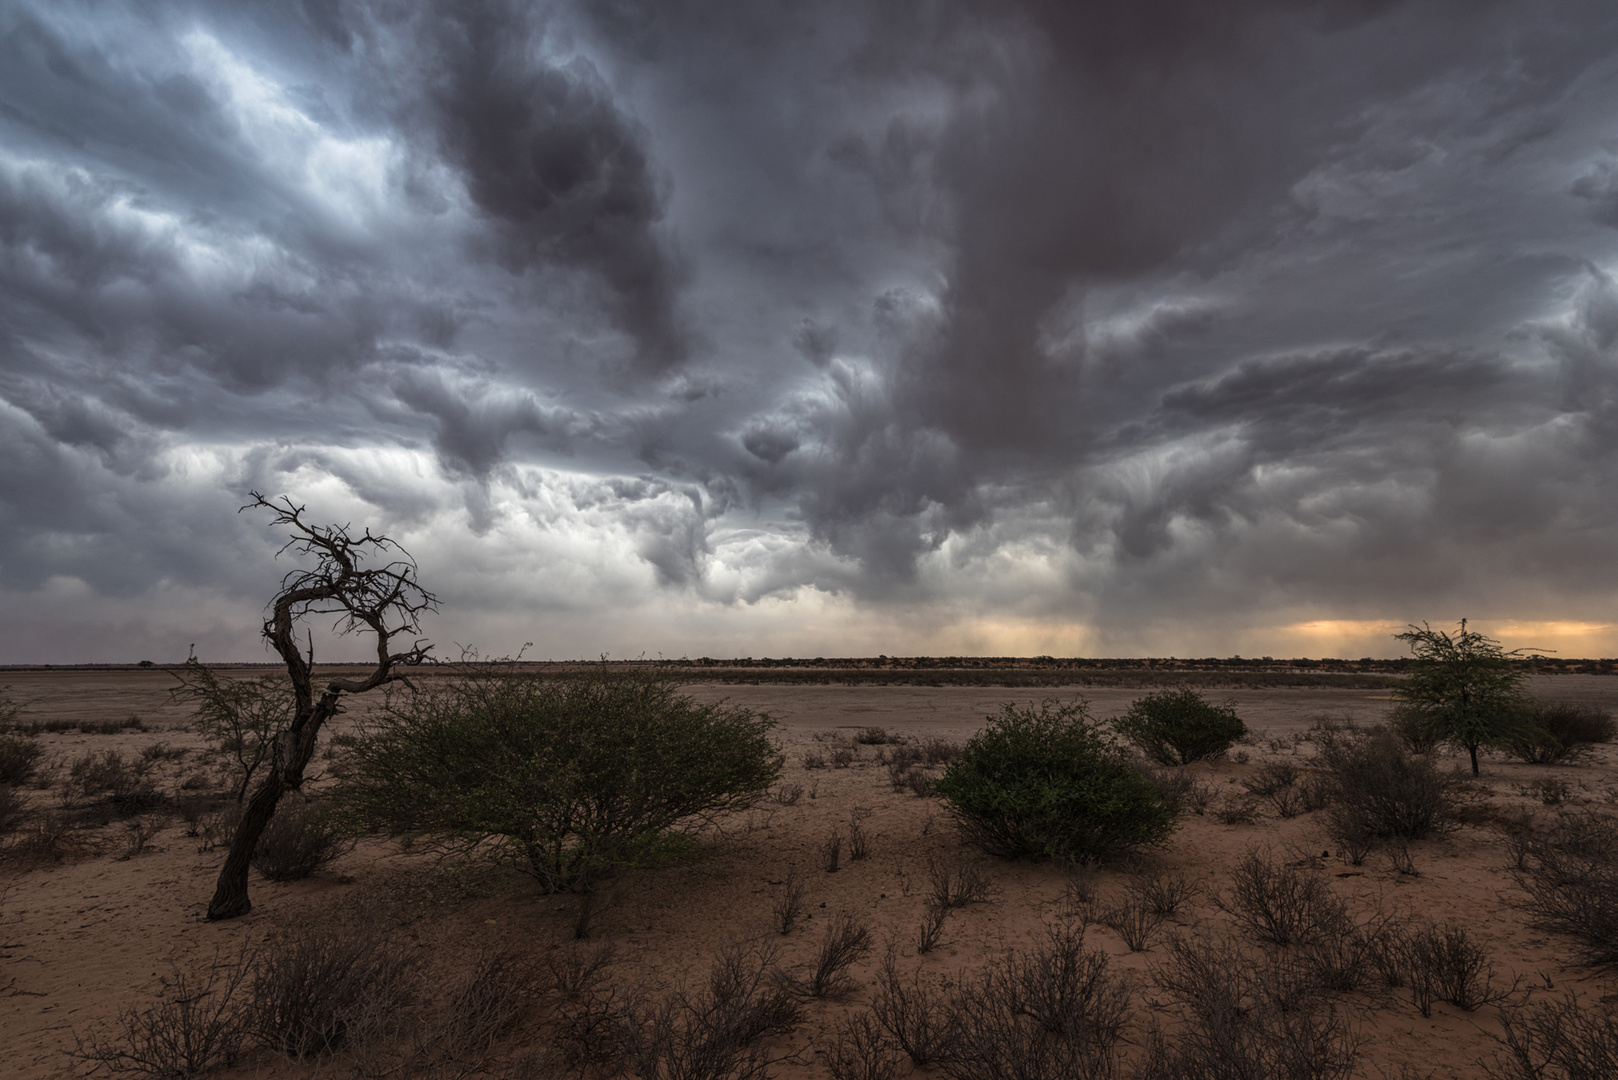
(97,932)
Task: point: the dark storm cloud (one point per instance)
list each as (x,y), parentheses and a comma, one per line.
(1227,308)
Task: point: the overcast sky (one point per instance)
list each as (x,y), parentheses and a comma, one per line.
(815,328)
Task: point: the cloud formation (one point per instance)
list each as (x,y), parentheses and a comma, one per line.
(708,327)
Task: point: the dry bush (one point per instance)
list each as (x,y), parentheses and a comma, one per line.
(1134,920)
(844,944)
(1380,790)
(1570,877)
(842,757)
(1556,1040)
(1280,904)
(859,844)
(786,794)
(932,927)
(46,838)
(1560,733)
(812,760)
(15,809)
(940,751)
(789,905)
(1236,811)
(195,1028)
(1243,1018)
(480,1007)
(831,853)
(1444,963)
(911,1012)
(1163,893)
(956,886)
(314,989)
(298,840)
(19,759)
(862,1051)
(137,834)
(714,1034)
(587,1017)
(1052,1012)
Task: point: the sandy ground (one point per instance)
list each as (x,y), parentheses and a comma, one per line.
(82,940)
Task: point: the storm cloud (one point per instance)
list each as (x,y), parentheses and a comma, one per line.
(709,327)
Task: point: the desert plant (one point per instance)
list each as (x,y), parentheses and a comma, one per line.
(714,1033)
(1134,920)
(831,853)
(300,839)
(1052,1012)
(1245,1018)
(956,885)
(1464,689)
(844,943)
(19,759)
(1278,903)
(812,760)
(481,1005)
(194,1029)
(1556,1039)
(1049,782)
(317,988)
(861,1051)
(938,751)
(911,1012)
(1177,727)
(574,777)
(934,915)
(1444,963)
(789,905)
(1163,893)
(1380,790)
(1570,878)
(859,842)
(874,736)
(14,809)
(1556,733)
(842,757)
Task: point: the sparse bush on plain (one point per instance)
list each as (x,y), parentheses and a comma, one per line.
(317,989)
(1442,962)
(1177,727)
(1133,919)
(574,778)
(300,839)
(912,1012)
(1050,782)
(1281,904)
(240,718)
(861,1051)
(1380,790)
(1570,878)
(1461,689)
(1559,733)
(195,1028)
(713,1033)
(19,759)
(1556,1039)
(956,885)
(789,904)
(844,944)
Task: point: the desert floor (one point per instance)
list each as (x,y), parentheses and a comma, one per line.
(92,935)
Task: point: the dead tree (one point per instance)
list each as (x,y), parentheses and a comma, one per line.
(384,600)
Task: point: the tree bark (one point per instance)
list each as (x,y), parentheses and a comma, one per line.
(286,774)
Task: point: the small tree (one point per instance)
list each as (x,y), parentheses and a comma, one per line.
(384,600)
(573,776)
(242,718)
(1463,689)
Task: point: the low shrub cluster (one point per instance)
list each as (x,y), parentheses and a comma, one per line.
(1378,789)
(1177,727)
(1050,782)
(1551,734)
(1569,876)
(300,839)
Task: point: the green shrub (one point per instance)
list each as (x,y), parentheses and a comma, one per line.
(19,758)
(1050,782)
(1177,727)
(1556,733)
(574,778)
